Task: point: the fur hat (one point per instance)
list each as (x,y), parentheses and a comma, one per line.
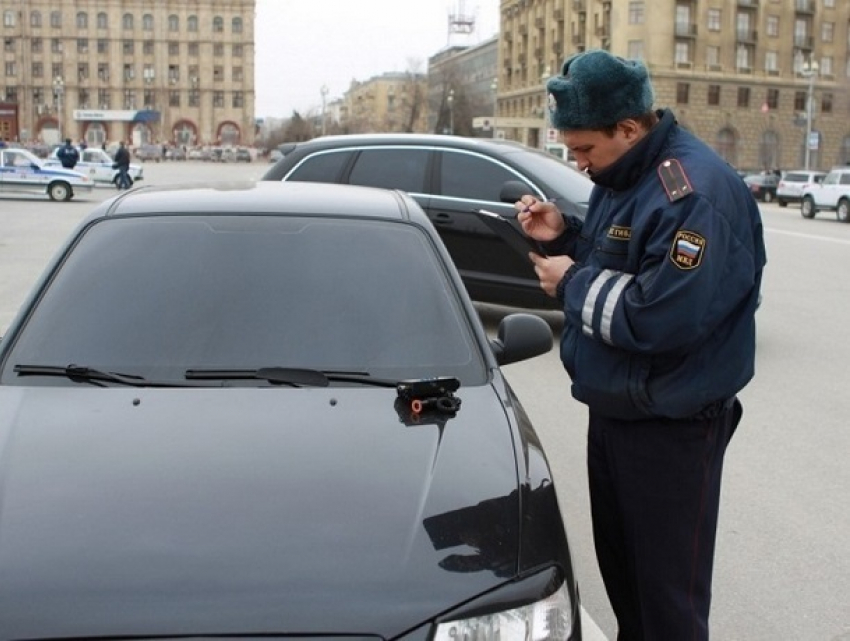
(596,90)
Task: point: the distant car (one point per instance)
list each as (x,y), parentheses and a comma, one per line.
(97,164)
(242,154)
(450,177)
(175,153)
(197,445)
(831,194)
(794,182)
(196,153)
(149,152)
(763,186)
(22,172)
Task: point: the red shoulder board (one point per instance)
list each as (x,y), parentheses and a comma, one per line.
(674,179)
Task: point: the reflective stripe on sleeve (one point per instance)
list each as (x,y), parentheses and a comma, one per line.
(590,300)
(610,304)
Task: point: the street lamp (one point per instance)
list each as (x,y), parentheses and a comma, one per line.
(58,92)
(494,87)
(324,92)
(810,71)
(450,100)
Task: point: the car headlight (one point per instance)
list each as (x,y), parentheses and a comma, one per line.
(550,618)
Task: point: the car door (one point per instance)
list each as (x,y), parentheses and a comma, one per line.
(19,174)
(466,181)
(93,162)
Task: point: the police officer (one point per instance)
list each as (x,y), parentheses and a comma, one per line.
(659,286)
(68,155)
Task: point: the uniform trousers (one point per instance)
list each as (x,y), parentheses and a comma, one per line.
(655,494)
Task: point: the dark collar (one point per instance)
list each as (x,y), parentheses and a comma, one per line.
(632,165)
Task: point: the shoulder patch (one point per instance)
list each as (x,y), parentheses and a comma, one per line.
(687,249)
(674,179)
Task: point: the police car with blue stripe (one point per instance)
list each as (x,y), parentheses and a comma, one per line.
(22,171)
(97,165)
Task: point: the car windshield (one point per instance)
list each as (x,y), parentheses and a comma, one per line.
(18,158)
(158,296)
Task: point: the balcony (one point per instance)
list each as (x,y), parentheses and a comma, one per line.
(748,4)
(748,36)
(804,6)
(579,5)
(686,30)
(578,39)
(804,42)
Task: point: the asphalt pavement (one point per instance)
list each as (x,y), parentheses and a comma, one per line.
(782,567)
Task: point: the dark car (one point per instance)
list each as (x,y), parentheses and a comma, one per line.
(763,186)
(271,410)
(451,177)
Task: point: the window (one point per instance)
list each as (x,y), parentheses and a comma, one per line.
(772,26)
(682,53)
(37,45)
(11,68)
(173,23)
(82,20)
(173,48)
(9,45)
(388,168)
(83,70)
(713,23)
(173,73)
(771,62)
(127,22)
(635,51)
(102,21)
(238,99)
(826,66)
(129,99)
(713,97)
(772,98)
(9,18)
(218,50)
(218,73)
(147,22)
(192,23)
(742,58)
(102,45)
(465,175)
(236,25)
(82,45)
(37,70)
(129,71)
(218,24)
(826,103)
(128,46)
(56,70)
(173,98)
(800,98)
(218,99)
(147,47)
(35,19)
(83,98)
(103,71)
(712,57)
(104,100)
(193,49)
(636,9)
(827,31)
(743,97)
(55,45)
(683,90)
(237,51)
(238,74)
(56,19)
(194,98)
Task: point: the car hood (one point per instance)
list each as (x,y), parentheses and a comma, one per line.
(56,169)
(145,511)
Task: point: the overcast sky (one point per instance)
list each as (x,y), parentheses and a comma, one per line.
(302,45)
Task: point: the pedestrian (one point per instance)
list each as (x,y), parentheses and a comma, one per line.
(122,164)
(68,154)
(659,285)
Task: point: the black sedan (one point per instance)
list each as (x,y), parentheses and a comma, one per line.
(450,177)
(270,411)
(763,186)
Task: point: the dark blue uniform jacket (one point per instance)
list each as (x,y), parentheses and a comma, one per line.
(660,315)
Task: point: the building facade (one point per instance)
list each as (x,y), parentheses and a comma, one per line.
(179,72)
(765,82)
(393,101)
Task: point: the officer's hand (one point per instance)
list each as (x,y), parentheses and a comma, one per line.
(539,219)
(550,270)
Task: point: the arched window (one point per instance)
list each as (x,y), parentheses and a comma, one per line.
(102,21)
(229,134)
(173,23)
(769,150)
(9,18)
(727,146)
(82,20)
(127,21)
(56,19)
(35,19)
(236,25)
(218,24)
(147,22)
(185,133)
(192,23)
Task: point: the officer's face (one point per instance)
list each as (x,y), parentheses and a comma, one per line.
(598,150)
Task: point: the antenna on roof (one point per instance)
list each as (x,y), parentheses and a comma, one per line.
(460,22)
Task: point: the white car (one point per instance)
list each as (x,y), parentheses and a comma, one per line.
(831,194)
(794,183)
(22,171)
(97,165)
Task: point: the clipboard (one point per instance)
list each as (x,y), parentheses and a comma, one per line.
(505,230)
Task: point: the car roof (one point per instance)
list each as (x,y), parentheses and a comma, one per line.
(259,197)
(460,142)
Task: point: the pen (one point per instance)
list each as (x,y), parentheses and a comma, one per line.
(545,200)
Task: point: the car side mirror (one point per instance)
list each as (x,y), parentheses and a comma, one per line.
(513,190)
(521,336)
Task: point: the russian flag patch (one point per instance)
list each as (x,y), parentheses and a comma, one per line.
(687,250)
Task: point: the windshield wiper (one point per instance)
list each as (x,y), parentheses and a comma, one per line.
(294,376)
(79,373)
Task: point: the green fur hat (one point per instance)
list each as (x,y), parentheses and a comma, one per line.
(597,90)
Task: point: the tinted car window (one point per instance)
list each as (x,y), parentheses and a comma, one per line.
(158,296)
(795,178)
(470,176)
(391,169)
(321,167)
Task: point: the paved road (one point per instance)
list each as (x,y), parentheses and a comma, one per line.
(782,569)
